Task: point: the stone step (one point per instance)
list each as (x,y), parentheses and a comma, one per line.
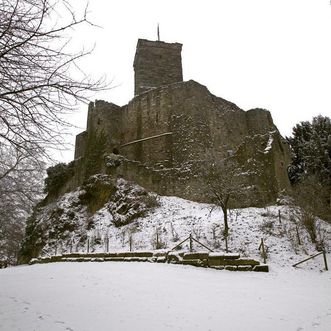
(195,256)
(220,261)
(237,262)
(223,256)
(112,254)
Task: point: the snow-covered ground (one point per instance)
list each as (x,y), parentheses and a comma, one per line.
(125,296)
(117,296)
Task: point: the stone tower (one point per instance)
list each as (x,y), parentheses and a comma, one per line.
(156,63)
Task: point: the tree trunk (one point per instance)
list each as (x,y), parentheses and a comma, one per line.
(226,225)
(225,213)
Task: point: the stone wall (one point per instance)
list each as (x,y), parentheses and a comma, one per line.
(156,63)
(192,127)
(80,144)
(201,126)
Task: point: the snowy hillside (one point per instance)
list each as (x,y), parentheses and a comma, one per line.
(160,296)
(176,218)
(168,222)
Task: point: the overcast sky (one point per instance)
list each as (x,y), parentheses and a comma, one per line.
(272,54)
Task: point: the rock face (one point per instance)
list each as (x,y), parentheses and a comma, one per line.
(72,216)
(187,125)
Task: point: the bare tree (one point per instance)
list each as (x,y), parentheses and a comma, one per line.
(223,182)
(21,184)
(40,80)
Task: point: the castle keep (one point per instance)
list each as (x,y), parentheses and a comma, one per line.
(162,138)
(156,64)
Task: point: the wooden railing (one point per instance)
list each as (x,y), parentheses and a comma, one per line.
(312,257)
(191,239)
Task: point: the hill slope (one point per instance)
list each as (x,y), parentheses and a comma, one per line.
(129,215)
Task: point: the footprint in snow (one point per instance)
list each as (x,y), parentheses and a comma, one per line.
(61,322)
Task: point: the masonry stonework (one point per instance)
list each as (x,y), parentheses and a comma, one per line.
(156,63)
(190,124)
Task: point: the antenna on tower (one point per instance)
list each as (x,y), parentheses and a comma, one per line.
(158,32)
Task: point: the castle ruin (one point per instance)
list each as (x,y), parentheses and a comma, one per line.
(162,137)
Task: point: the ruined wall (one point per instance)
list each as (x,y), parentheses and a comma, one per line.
(80,144)
(202,126)
(105,118)
(265,157)
(199,127)
(156,63)
(259,121)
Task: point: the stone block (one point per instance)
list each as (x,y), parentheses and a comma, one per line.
(216,261)
(97,259)
(161,259)
(134,254)
(244,268)
(196,263)
(231,268)
(224,256)
(195,256)
(261,268)
(174,258)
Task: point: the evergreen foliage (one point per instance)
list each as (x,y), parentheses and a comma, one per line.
(310,171)
(311,150)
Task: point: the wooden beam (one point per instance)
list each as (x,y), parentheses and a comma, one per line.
(148,138)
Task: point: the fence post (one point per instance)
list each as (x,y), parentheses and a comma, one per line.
(107,244)
(298,236)
(88,245)
(263,251)
(191,243)
(279,217)
(157,239)
(226,244)
(325,261)
(130,242)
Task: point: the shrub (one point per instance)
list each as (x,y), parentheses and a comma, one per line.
(150,201)
(267,227)
(57,176)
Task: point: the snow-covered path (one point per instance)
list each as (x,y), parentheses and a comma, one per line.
(149,297)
